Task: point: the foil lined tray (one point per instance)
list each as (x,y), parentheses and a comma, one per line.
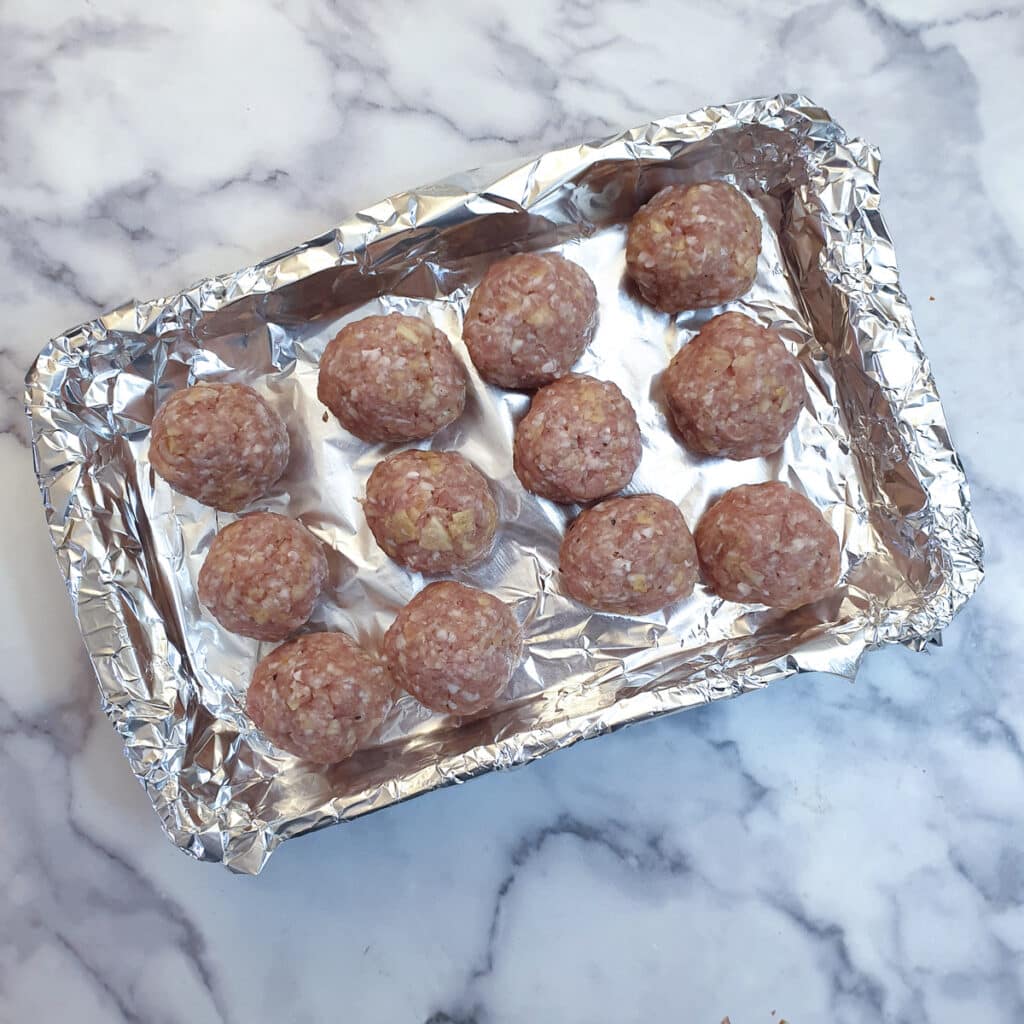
(871,450)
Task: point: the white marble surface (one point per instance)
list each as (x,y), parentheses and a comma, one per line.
(820,851)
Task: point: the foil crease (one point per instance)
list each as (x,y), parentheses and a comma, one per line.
(872,450)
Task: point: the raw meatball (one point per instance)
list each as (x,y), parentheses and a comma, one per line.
(454,648)
(693,246)
(262,576)
(734,390)
(392,378)
(430,511)
(530,319)
(319,696)
(629,555)
(578,442)
(219,443)
(767,544)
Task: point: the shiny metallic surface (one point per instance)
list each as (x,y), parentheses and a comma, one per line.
(871,450)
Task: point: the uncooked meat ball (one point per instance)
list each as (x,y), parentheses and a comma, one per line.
(319,696)
(430,511)
(693,246)
(767,544)
(392,378)
(530,319)
(578,442)
(454,648)
(734,389)
(262,576)
(219,443)
(629,555)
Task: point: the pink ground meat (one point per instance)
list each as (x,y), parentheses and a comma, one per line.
(392,378)
(530,319)
(578,442)
(219,443)
(767,544)
(734,390)
(319,696)
(454,648)
(262,576)
(693,246)
(430,511)
(630,555)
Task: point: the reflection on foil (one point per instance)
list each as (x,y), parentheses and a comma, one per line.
(871,450)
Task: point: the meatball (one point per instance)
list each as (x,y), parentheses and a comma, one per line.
(219,443)
(767,544)
(579,441)
(530,319)
(735,389)
(693,246)
(629,555)
(262,576)
(454,648)
(430,511)
(319,696)
(392,378)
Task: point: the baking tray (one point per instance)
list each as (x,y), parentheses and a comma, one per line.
(871,450)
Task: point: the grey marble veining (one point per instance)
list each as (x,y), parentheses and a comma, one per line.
(830,852)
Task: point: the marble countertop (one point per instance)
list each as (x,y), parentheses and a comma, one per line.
(819,851)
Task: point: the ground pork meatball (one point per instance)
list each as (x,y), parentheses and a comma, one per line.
(319,696)
(734,390)
(219,443)
(454,648)
(262,576)
(693,246)
(430,511)
(767,544)
(392,378)
(629,555)
(530,319)
(579,441)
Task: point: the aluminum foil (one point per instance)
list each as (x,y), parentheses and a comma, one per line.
(871,450)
